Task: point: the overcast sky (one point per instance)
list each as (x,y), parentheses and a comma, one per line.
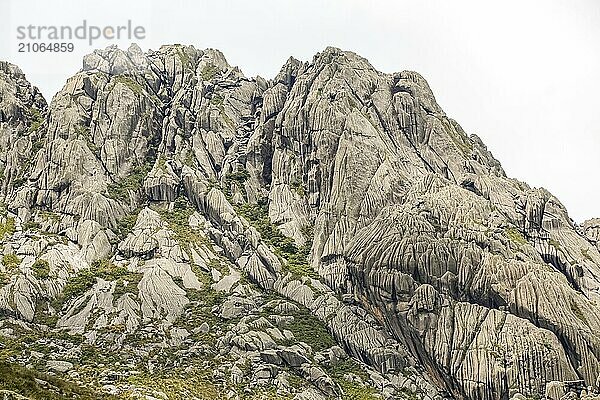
(523,75)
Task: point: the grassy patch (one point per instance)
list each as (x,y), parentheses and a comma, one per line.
(356,391)
(86,278)
(10,260)
(585,254)
(408,394)
(125,225)
(297,187)
(577,311)
(209,72)
(49,216)
(131,183)
(515,236)
(461,142)
(135,87)
(29,225)
(41,269)
(36,120)
(219,102)
(351,390)
(185,59)
(179,385)
(554,244)
(309,329)
(35,385)
(178,223)
(7,228)
(237,179)
(296,257)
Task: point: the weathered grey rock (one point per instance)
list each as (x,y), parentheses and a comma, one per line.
(146,183)
(60,366)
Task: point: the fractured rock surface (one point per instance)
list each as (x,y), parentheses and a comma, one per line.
(173,229)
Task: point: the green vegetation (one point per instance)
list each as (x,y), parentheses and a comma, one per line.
(134,86)
(178,223)
(29,225)
(10,260)
(76,286)
(351,102)
(585,254)
(49,216)
(209,72)
(463,143)
(8,227)
(356,391)
(298,187)
(285,247)
(351,390)
(554,244)
(309,329)
(264,393)
(408,394)
(132,182)
(577,311)
(41,269)
(185,59)
(36,385)
(84,132)
(86,278)
(238,179)
(178,385)
(217,100)
(36,146)
(199,310)
(106,270)
(162,163)
(125,225)
(36,120)
(515,236)
(43,315)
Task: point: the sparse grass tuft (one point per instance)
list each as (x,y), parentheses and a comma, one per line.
(36,120)
(134,86)
(586,255)
(577,311)
(298,187)
(131,183)
(10,260)
(296,257)
(309,329)
(36,385)
(7,228)
(209,72)
(41,269)
(515,236)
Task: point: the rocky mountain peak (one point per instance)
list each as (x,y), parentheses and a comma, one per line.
(171,226)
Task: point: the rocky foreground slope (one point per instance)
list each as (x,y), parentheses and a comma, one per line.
(173,229)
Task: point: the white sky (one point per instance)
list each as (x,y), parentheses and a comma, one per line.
(523,75)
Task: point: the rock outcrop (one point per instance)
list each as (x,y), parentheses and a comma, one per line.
(174,229)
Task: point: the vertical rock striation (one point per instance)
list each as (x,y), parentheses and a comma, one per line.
(329,228)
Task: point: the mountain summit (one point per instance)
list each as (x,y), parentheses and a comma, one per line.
(173,229)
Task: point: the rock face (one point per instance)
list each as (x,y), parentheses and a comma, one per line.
(174,229)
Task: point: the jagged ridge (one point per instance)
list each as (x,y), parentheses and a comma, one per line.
(437,274)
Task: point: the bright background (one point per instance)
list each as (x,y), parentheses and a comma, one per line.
(523,75)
